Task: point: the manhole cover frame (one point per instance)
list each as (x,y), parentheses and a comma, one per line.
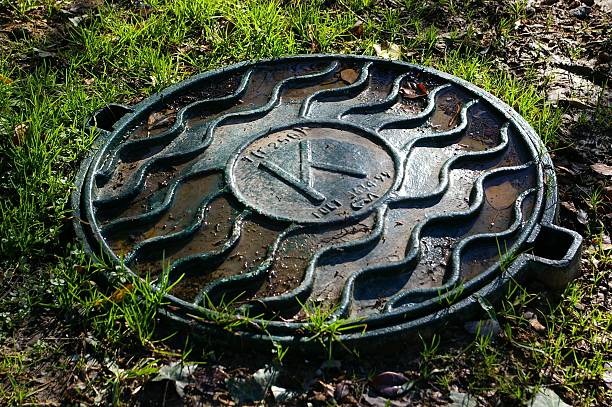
(397,327)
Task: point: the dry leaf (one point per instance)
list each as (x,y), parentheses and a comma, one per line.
(75,21)
(160,119)
(569,206)
(5,80)
(282,395)
(501,196)
(391,384)
(319,396)
(602,169)
(19,133)
(410,91)
(357,29)
(413,90)
(42,53)
(604,5)
(393,51)
(181,374)
(342,390)
(120,293)
(569,171)
(329,389)
(349,75)
(536,325)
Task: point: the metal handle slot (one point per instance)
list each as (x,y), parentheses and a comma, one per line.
(105,118)
(556,256)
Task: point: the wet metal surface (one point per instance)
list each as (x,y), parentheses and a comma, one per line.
(374,189)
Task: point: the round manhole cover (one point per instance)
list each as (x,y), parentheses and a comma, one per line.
(349,188)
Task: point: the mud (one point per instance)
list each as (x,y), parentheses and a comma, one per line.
(478,258)
(447,112)
(155,186)
(182,213)
(296,255)
(257,235)
(162,119)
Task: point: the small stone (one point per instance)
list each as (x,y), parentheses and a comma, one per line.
(607,375)
(581,12)
(547,398)
(282,395)
(487,327)
(462,399)
(583,216)
(537,325)
(528,315)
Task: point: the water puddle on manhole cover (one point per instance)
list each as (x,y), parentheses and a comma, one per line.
(373,191)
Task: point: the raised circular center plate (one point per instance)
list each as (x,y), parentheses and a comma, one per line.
(313,173)
(350,187)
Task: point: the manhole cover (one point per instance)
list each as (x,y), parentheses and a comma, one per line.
(338,187)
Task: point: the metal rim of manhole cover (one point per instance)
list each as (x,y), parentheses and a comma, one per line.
(358,189)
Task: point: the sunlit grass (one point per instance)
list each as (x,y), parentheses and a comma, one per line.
(122,53)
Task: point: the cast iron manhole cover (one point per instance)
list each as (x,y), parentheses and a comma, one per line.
(362,189)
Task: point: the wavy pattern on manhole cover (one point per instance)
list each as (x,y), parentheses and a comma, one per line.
(384,192)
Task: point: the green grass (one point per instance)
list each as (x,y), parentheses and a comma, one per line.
(321,326)
(120,53)
(129,311)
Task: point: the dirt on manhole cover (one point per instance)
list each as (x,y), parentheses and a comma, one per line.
(351,188)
